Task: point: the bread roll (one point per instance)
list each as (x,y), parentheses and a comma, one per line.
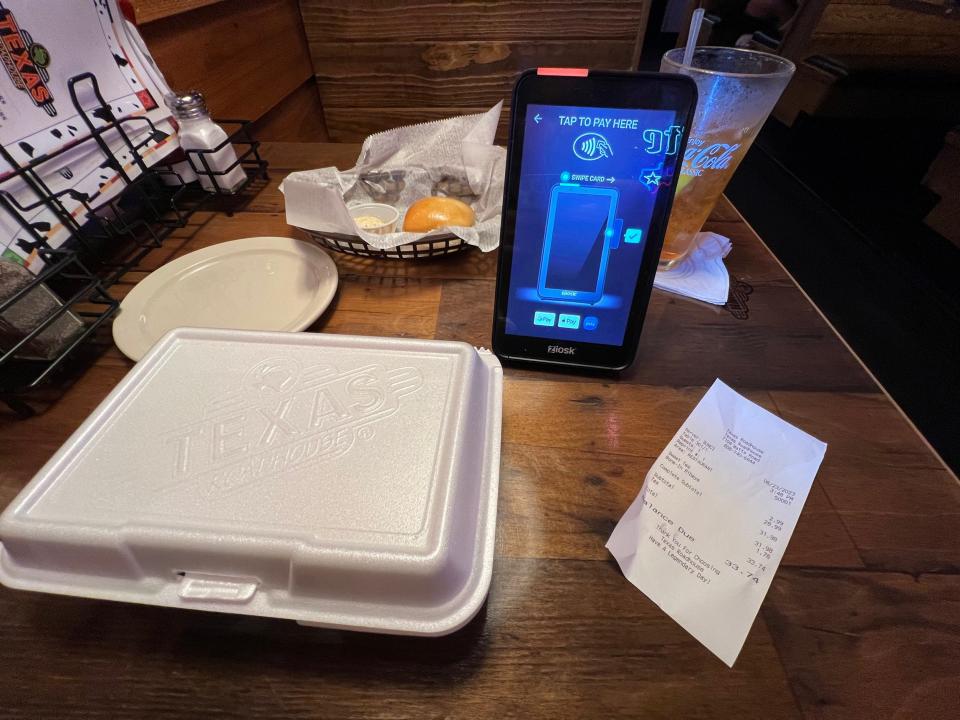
(430,213)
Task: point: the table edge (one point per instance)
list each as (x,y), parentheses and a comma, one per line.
(843,340)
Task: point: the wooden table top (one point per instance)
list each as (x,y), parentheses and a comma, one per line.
(862,619)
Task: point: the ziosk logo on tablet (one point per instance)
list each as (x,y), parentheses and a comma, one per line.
(26,62)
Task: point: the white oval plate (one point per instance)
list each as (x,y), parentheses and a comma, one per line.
(261,283)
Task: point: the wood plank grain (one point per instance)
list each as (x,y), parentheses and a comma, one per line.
(749,260)
(445,74)
(885,19)
(402,307)
(289,156)
(55,425)
(563,633)
(556,639)
(286,157)
(912,492)
(17,467)
(207,229)
(228,56)
(686,342)
(381,65)
(863,429)
(946,47)
(598,417)
(765,350)
(891,32)
(901,519)
(906,542)
(868,645)
(354,124)
(898,503)
(296,118)
(724,211)
(146,11)
(821,538)
(416,20)
(557,503)
(270,199)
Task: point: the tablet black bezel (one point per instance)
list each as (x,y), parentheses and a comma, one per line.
(598,89)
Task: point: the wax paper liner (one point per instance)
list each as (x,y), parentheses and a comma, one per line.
(455,157)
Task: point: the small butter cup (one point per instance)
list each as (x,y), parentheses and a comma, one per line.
(386,214)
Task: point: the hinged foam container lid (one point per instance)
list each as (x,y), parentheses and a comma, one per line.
(341,481)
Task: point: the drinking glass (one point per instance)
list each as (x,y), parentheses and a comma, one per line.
(737,90)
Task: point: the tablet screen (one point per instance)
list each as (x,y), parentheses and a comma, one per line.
(589,180)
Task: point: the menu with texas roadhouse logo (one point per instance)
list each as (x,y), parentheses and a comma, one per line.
(26,62)
(55,56)
(46,43)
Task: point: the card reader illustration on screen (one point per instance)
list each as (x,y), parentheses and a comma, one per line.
(581,230)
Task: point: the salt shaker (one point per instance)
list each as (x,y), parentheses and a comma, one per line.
(199,132)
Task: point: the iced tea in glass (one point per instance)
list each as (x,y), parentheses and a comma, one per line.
(737,90)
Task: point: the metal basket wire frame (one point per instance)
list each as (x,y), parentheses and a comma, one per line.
(103,243)
(428,247)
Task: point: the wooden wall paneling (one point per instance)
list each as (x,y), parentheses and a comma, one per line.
(245,55)
(383,64)
(150,10)
(883,28)
(446,74)
(903,46)
(296,118)
(523,20)
(861,34)
(796,38)
(881,18)
(352,124)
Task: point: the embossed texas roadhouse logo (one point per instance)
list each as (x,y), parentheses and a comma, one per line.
(26,62)
(283,418)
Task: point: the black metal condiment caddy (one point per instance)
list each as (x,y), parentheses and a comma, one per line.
(104,243)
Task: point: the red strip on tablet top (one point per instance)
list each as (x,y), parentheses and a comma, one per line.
(570,72)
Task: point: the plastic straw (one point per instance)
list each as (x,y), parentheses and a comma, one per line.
(695,22)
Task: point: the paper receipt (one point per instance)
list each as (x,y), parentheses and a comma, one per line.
(706,534)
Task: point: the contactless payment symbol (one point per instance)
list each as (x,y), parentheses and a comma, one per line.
(592,146)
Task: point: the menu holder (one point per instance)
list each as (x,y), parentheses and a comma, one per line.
(79,245)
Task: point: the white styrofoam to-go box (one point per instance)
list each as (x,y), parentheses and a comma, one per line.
(339,481)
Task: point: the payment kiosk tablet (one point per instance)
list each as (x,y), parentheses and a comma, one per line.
(592,166)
